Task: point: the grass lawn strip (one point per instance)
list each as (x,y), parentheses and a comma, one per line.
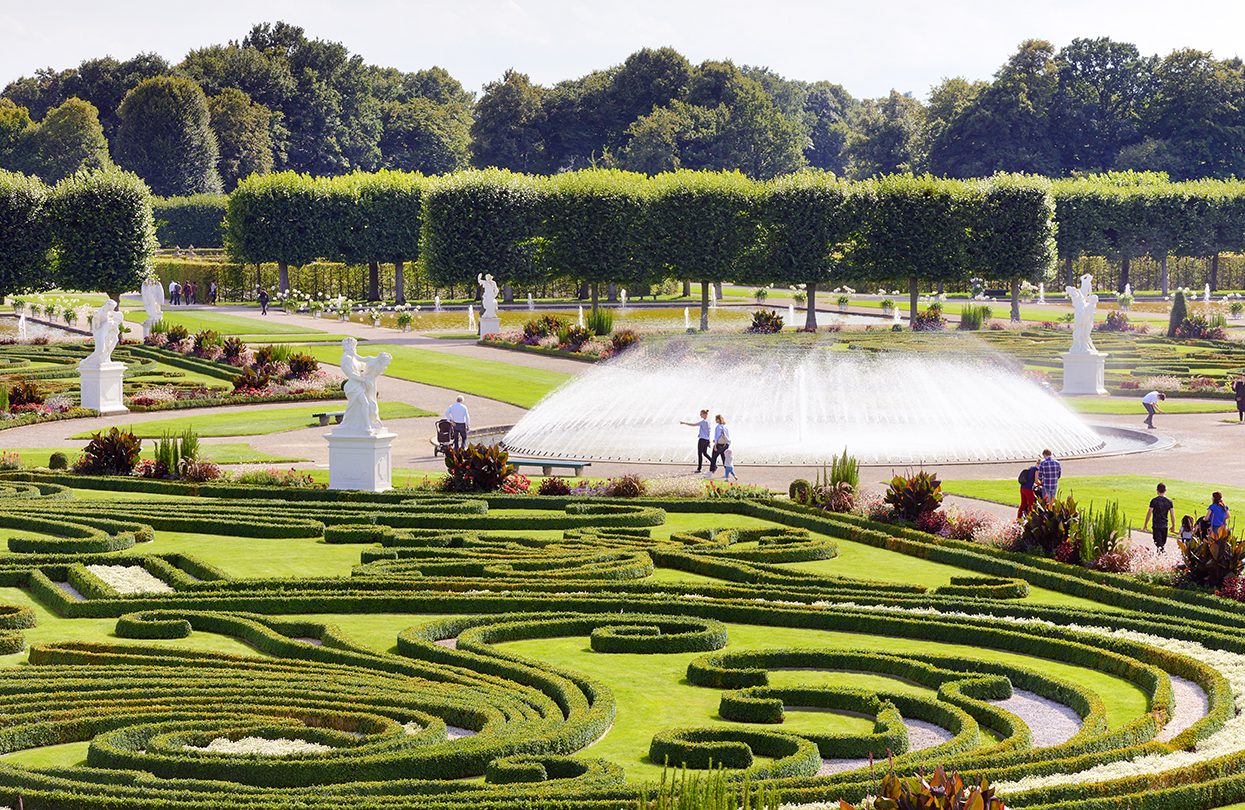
(257,422)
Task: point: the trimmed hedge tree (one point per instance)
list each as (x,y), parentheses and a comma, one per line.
(24,236)
(279,218)
(1013,231)
(195,221)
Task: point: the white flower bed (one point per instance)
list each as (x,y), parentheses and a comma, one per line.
(261,746)
(129,579)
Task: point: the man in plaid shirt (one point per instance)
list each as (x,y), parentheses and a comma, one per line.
(1048,472)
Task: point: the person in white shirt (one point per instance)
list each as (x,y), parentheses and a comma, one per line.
(702,441)
(458,415)
(1151,401)
(721,442)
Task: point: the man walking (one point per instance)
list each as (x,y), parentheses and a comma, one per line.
(1049,472)
(1164,513)
(702,441)
(1151,401)
(263,302)
(459,417)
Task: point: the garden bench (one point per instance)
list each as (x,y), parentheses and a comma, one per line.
(324,417)
(547,466)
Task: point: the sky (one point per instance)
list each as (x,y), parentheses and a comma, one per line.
(867,46)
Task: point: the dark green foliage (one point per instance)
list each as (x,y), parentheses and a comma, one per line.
(251,378)
(279,218)
(929,320)
(599,322)
(800,491)
(592,224)
(103,231)
(914,495)
(243,133)
(302,364)
(24,236)
(573,337)
(69,139)
(1199,327)
(1179,313)
(544,326)
(477,468)
(1210,560)
(1048,526)
(190,221)
(112,453)
(24,392)
(165,136)
(58,461)
(974,316)
(765,322)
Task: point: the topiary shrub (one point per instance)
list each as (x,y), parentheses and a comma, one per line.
(58,461)
(912,496)
(112,453)
(477,468)
(1180,310)
(800,491)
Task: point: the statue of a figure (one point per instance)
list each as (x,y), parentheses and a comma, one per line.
(106,327)
(153,300)
(362,417)
(1084,302)
(488,299)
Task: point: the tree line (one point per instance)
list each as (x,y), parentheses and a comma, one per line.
(278,100)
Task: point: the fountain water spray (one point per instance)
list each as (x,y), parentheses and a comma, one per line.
(530,303)
(1128,289)
(436,303)
(687,318)
(623,297)
(791,315)
(471,317)
(801,404)
(1206,294)
(896,318)
(1041,292)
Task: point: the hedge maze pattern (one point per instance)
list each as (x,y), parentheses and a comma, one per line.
(450,717)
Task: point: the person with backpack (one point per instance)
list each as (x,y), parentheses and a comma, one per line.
(1028,480)
(1164,514)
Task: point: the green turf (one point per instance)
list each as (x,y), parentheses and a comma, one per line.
(224,453)
(196,320)
(257,421)
(1133,492)
(519,385)
(1127,405)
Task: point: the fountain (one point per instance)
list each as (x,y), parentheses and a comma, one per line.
(790,403)
(896,319)
(22,333)
(1041,292)
(1128,289)
(687,318)
(581,317)
(530,303)
(1206,294)
(471,318)
(436,303)
(623,297)
(790,315)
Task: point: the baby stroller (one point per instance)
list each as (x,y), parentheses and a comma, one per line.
(445,437)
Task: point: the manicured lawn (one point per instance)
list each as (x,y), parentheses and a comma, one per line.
(196,320)
(1133,492)
(1127,405)
(519,385)
(257,421)
(224,453)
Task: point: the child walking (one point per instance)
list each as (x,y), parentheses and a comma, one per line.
(728,465)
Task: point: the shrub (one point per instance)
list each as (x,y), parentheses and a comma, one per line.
(302,365)
(840,497)
(177,333)
(295,479)
(543,326)
(554,486)
(1180,311)
(938,792)
(268,356)
(24,392)
(1116,322)
(251,379)
(845,469)
(736,492)
(624,339)
(1048,526)
(197,471)
(974,316)
(1198,327)
(477,468)
(112,453)
(800,491)
(167,456)
(1102,532)
(573,337)
(4,399)
(930,320)
(627,486)
(58,461)
(207,339)
(188,445)
(912,496)
(600,321)
(1209,561)
(765,322)
(232,348)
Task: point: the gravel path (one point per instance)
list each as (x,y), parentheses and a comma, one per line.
(921,735)
(450,643)
(1191,706)
(71,590)
(1051,723)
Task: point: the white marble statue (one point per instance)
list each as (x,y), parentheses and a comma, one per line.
(1084,302)
(362,417)
(153,299)
(488,299)
(106,327)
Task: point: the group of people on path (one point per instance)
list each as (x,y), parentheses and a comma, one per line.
(186,293)
(1039,480)
(1161,518)
(713,442)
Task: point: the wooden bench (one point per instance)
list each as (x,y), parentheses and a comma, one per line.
(547,466)
(324,418)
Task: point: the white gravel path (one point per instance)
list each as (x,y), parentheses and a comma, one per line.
(451,643)
(1050,722)
(73,594)
(261,746)
(1191,705)
(130,579)
(921,735)
(456,733)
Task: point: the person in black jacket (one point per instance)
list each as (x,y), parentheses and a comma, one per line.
(1028,490)
(1238,389)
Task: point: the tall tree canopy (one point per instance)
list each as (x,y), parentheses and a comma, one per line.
(165,137)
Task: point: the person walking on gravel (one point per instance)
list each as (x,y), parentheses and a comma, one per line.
(1151,402)
(459,418)
(1163,511)
(702,440)
(1238,392)
(721,442)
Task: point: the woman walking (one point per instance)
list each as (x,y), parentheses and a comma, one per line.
(721,442)
(1217,513)
(1238,390)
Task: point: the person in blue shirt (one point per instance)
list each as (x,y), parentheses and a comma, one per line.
(1217,513)
(702,441)
(1049,472)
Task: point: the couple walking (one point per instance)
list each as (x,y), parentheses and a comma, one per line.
(721,444)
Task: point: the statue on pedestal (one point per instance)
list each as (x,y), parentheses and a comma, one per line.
(488,298)
(1084,302)
(362,417)
(106,327)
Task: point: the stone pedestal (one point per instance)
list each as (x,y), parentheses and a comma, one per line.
(489,326)
(101,389)
(147,328)
(1084,373)
(361,462)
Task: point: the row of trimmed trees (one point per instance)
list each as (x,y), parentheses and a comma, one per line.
(91,231)
(601,226)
